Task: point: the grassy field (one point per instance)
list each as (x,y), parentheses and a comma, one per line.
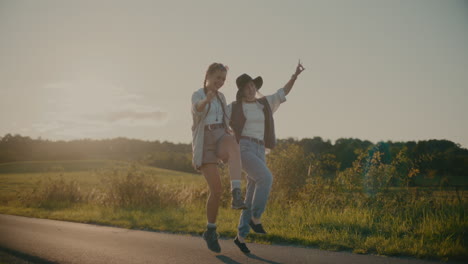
(131,196)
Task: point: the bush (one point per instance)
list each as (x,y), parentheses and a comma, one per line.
(135,188)
(54,193)
(289,167)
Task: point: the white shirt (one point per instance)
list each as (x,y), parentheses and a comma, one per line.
(253,112)
(255,123)
(215,115)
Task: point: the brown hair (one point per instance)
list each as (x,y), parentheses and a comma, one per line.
(212,68)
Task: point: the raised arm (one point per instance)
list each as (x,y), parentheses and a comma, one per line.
(200,106)
(289,85)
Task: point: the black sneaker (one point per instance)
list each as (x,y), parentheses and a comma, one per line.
(257,228)
(242,246)
(237,201)
(211,238)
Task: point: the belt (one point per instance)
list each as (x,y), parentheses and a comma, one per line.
(258,141)
(214,126)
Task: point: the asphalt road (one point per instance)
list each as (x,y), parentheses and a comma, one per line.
(49,241)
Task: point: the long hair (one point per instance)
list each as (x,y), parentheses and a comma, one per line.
(240,95)
(211,69)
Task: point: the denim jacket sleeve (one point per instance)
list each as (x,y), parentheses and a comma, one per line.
(197,96)
(197,129)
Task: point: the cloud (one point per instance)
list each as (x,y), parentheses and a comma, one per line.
(149,117)
(77,109)
(156,115)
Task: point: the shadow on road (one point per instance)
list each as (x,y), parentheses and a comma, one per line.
(13,256)
(229,260)
(253,256)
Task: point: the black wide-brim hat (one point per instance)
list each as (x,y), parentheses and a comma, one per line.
(242,80)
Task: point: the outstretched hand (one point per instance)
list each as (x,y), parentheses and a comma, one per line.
(299,69)
(210,95)
(290,84)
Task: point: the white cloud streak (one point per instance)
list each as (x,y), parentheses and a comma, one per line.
(94,110)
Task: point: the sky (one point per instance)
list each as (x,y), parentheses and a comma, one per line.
(375,70)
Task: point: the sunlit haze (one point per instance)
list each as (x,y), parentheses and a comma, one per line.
(375,70)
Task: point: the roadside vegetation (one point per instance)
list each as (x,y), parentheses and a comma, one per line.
(370,207)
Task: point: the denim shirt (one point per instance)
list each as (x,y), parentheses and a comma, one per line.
(198,126)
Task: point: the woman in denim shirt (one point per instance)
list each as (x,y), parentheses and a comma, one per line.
(211,143)
(253,125)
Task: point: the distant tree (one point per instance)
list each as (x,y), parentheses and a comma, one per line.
(316,146)
(432,157)
(345,150)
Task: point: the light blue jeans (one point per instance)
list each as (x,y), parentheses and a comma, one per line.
(259,181)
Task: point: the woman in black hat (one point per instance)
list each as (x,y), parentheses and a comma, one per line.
(253,125)
(211,143)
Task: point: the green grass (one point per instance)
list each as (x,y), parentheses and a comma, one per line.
(55,166)
(434,228)
(87,173)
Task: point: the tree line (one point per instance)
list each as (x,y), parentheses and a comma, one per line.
(431,157)
(15,148)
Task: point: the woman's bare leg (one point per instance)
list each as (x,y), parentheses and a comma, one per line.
(229,150)
(210,171)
